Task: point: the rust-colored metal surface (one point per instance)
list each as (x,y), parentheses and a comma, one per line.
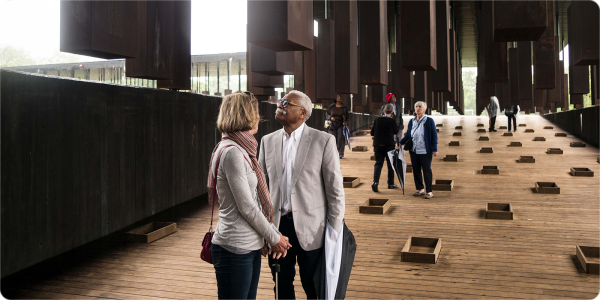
(525,75)
(346,39)
(418,30)
(544,61)
(583,33)
(496,64)
(420,86)
(269,62)
(405,80)
(310,71)
(554,94)
(440,79)
(519,20)
(373,33)
(267,81)
(181,56)
(326,60)
(513,75)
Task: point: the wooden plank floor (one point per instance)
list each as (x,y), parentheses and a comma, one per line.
(532,256)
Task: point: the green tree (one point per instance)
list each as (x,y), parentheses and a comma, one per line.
(12,57)
(469,86)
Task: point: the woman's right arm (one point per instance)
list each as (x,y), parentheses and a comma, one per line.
(234,166)
(407,135)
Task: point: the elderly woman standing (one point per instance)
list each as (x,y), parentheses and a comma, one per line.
(245,209)
(421,132)
(337,114)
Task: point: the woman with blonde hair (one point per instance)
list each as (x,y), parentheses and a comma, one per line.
(245,208)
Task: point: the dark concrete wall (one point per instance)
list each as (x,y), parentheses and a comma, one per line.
(582,123)
(84,159)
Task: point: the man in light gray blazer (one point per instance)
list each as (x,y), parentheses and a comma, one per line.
(302,168)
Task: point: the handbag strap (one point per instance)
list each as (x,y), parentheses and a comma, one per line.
(418,124)
(215,183)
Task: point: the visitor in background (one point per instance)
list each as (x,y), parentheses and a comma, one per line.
(337,114)
(383,131)
(512,113)
(493,110)
(397,116)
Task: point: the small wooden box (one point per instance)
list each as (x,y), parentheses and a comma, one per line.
(503,127)
(490,170)
(480,125)
(548,127)
(423,250)
(522,125)
(443,185)
(363,132)
(360,148)
(584,172)
(539,139)
(437,130)
(562,134)
(508,134)
(450,157)
(554,151)
(502,211)
(526,159)
(439,125)
(150,232)
(486,150)
(375,206)
(481,130)
(588,258)
(454,143)
(458,127)
(457,134)
(372,157)
(408,168)
(484,138)
(515,144)
(577,144)
(350,182)
(529,130)
(547,188)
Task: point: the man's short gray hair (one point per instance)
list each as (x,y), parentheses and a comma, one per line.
(388,109)
(422,103)
(304,101)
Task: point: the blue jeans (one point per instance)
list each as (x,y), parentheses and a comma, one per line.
(237,274)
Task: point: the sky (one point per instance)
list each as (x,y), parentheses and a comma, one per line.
(34,26)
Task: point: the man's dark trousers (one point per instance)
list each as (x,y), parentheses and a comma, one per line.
(380,156)
(307,261)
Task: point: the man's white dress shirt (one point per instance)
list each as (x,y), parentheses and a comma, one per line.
(288,155)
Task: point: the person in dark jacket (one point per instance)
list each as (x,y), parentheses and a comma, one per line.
(383,132)
(338,115)
(512,113)
(391,99)
(421,130)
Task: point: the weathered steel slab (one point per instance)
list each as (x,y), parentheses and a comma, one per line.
(583,33)
(326,60)
(420,86)
(405,80)
(513,75)
(440,79)
(268,62)
(418,30)
(496,63)
(374,35)
(346,39)
(544,63)
(181,56)
(519,20)
(525,75)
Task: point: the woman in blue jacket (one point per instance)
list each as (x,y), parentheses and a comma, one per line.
(421,130)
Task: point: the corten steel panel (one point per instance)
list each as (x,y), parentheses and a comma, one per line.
(429,94)
(310,71)
(577,100)
(539,98)
(373,33)
(519,20)
(269,62)
(103,29)
(513,75)
(418,30)
(579,83)
(488,89)
(281,25)
(554,94)
(299,70)
(346,39)
(152,59)
(544,63)
(267,81)
(450,95)
(360,98)
(181,48)
(440,79)
(391,75)
(525,75)
(420,86)
(261,93)
(326,60)
(405,80)
(565,92)
(583,33)
(526,105)
(496,64)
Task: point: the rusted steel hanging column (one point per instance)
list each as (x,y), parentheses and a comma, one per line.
(346,38)
(283,25)
(450,95)
(429,94)
(539,100)
(519,20)
(440,79)
(578,75)
(525,75)
(554,94)
(418,30)
(583,33)
(373,32)
(326,60)
(420,86)
(513,75)
(181,56)
(564,92)
(405,81)
(269,62)
(496,63)
(260,93)
(360,99)
(544,63)
(299,71)
(310,71)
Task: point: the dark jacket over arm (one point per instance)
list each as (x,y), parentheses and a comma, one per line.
(383,131)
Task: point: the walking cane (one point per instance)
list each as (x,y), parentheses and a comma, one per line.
(276,268)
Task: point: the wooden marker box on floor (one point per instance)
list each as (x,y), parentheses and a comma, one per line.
(529,130)
(522,125)
(539,139)
(458,127)
(454,143)
(443,185)
(372,157)
(588,258)
(547,188)
(450,157)
(577,144)
(409,168)
(457,134)
(437,130)
(150,232)
(502,211)
(515,144)
(423,250)
(375,206)
(493,170)
(480,125)
(561,134)
(526,159)
(486,150)
(508,134)
(583,172)
(548,127)
(350,182)
(484,138)
(503,127)
(481,130)
(360,148)
(363,132)
(439,125)
(554,151)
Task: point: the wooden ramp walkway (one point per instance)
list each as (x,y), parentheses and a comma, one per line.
(532,256)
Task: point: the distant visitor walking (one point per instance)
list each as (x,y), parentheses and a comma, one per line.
(338,115)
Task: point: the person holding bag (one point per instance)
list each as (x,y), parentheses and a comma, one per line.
(338,115)
(421,141)
(512,113)
(237,182)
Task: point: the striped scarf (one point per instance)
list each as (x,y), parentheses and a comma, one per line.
(248,142)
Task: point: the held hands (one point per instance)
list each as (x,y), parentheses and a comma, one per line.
(280,249)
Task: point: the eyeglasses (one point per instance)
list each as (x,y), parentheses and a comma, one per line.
(285,102)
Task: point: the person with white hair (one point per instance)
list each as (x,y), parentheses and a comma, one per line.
(302,167)
(493,110)
(421,141)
